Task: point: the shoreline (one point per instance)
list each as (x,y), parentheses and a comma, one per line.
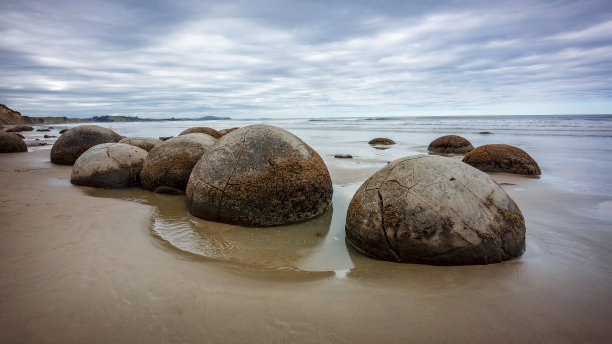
(79,268)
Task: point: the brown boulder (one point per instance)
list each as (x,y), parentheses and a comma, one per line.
(169,164)
(203,130)
(259,175)
(381,141)
(63,131)
(19,128)
(77,140)
(226,131)
(11,143)
(450,144)
(145,143)
(502,158)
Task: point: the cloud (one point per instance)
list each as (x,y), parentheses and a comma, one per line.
(284,59)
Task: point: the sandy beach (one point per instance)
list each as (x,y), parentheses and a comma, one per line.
(78,268)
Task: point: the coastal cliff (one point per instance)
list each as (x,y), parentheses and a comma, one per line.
(8,116)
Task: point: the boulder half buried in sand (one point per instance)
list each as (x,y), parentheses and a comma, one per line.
(109,165)
(381,141)
(502,158)
(259,175)
(169,164)
(11,143)
(77,140)
(434,210)
(202,130)
(145,143)
(450,144)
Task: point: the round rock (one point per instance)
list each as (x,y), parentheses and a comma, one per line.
(202,130)
(450,144)
(502,158)
(77,140)
(19,128)
(169,164)
(145,143)
(381,141)
(259,175)
(11,143)
(434,210)
(109,165)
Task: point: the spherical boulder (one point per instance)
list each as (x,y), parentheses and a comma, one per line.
(259,175)
(145,143)
(434,210)
(381,141)
(11,143)
(450,144)
(169,164)
(109,165)
(502,158)
(203,130)
(77,140)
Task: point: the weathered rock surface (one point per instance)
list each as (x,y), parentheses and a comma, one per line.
(77,140)
(381,141)
(145,143)
(226,131)
(502,158)
(259,175)
(109,165)
(169,164)
(434,210)
(450,144)
(19,128)
(11,143)
(203,130)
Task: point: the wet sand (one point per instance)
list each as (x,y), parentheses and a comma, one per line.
(84,265)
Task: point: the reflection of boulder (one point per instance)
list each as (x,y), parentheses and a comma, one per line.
(381,141)
(434,210)
(452,144)
(109,165)
(145,143)
(77,140)
(11,143)
(502,158)
(202,130)
(169,164)
(259,175)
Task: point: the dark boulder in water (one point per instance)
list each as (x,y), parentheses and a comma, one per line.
(502,158)
(19,128)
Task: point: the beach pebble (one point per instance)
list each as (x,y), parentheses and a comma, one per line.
(145,143)
(259,175)
(77,140)
(11,143)
(203,130)
(434,210)
(502,158)
(343,156)
(19,128)
(450,144)
(381,141)
(109,165)
(169,164)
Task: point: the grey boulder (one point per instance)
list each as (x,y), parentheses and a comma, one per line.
(434,210)
(109,165)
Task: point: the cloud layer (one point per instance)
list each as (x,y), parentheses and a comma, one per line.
(300,59)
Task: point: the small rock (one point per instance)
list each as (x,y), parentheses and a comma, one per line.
(343,156)
(43,129)
(381,141)
(485,133)
(19,128)
(49,136)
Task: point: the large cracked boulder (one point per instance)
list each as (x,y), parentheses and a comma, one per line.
(450,144)
(434,210)
(169,164)
(259,175)
(502,158)
(74,142)
(11,143)
(109,165)
(145,143)
(202,130)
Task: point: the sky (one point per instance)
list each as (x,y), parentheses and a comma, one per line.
(297,59)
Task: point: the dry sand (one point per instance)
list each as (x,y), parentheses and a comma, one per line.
(77,268)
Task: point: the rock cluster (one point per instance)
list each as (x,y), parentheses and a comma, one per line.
(77,140)
(259,175)
(450,144)
(434,210)
(502,158)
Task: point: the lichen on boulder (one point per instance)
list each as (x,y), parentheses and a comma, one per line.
(259,175)
(502,158)
(450,144)
(74,142)
(109,165)
(434,210)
